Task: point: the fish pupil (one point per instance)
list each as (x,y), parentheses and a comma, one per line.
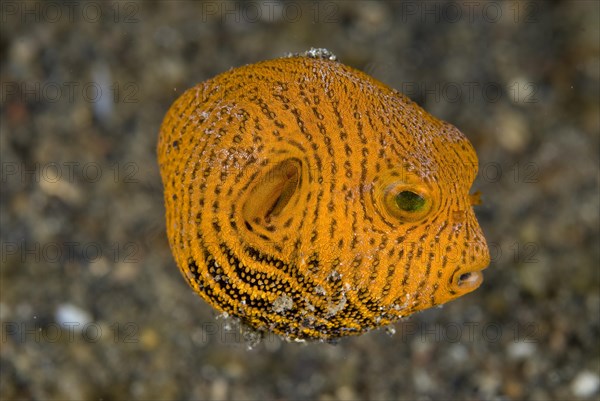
(410,201)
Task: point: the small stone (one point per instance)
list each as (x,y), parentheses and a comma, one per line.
(585,384)
(514,389)
(71,317)
(62,189)
(345,393)
(99,267)
(149,339)
(512,131)
(373,18)
(458,353)
(521,350)
(423,381)
(489,384)
(533,275)
(126,272)
(23,51)
(218,389)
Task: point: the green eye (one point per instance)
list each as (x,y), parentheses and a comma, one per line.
(409,201)
(406,202)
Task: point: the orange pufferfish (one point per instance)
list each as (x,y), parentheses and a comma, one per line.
(308,199)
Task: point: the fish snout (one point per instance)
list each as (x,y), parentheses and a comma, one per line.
(477,258)
(470,276)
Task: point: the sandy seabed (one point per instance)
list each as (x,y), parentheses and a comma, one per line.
(92,305)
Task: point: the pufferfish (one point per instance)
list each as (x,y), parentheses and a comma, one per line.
(310,200)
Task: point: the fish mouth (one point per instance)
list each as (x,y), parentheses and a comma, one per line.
(470,279)
(467,280)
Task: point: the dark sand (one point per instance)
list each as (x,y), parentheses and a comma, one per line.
(88,247)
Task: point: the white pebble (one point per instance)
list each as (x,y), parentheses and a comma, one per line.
(585,384)
(521,350)
(458,353)
(71,317)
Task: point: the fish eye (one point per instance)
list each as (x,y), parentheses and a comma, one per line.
(410,201)
(407,202)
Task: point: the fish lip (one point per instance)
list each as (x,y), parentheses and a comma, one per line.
(469,279)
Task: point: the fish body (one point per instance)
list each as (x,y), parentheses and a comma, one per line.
(308,199)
